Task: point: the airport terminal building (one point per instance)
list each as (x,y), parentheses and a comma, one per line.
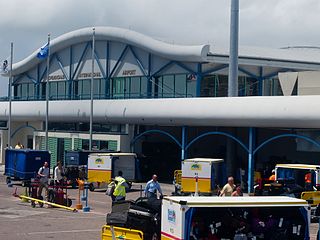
(168,102)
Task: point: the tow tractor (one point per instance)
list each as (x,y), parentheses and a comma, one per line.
(210,217)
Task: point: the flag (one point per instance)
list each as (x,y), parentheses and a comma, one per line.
(5,66)
(44,52)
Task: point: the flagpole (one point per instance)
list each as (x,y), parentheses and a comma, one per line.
(91,88)
(47,95)
(10,95)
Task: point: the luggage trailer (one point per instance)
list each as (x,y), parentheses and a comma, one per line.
(213,215)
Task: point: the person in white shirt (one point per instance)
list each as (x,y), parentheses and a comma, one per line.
(58,174)
(43,173)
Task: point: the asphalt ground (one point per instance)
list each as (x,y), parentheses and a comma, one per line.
(18,220)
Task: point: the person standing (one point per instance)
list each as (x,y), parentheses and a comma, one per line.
(152,187)
(228,189)
(58,174)
(119,193)
(43,173)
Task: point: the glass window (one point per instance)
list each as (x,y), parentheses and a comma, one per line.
(118,87)
(61,90)
(180,85)
(43,90)
(53,90)
(31,91)
(168,86)
(208,86)
(103,145)
(248,86)
(126,89)
(144,87)
(102,88)
(24,91)
(96,88)
(191,86)
(85,94)
(17,91)
(135,87)
(271,87)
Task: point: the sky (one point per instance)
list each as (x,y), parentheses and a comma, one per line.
(263,23)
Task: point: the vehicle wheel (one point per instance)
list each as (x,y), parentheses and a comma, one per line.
(33,204)
(68,203)
(155,236)
(8,180)
(40,203)
(91,187)
(51,196)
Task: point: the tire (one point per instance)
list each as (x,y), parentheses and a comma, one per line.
(8,180)
(33,204)
(68,202)
(91,187)
(40,203)
(51,196)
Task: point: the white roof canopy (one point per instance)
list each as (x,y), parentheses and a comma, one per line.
(287,112)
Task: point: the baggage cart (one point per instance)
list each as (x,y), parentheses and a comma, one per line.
(102,167)
(198,176)
(23,164)
(234,218)
(110,233)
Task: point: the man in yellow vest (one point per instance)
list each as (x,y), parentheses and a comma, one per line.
(119,192)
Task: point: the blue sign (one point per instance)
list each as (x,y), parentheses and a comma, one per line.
(171,216)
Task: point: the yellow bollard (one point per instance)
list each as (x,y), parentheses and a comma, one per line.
(25,194)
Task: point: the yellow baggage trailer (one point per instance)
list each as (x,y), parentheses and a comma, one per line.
(102,167)
(198,175)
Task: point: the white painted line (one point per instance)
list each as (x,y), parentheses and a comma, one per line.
(65,231)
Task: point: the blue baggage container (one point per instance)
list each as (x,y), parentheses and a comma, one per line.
(79,158)
(23,164)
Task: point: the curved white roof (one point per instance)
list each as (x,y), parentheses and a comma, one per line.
(169,51)
(287,112)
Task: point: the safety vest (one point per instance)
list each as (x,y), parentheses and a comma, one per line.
(120,189)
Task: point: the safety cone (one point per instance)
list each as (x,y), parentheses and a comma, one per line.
(25,194)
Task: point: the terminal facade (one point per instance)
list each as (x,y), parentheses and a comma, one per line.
(129,66)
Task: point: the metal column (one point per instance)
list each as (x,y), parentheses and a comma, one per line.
(183,143)
(10,95)
(91,90)
(199,80)
(233,53)
(47,96)
(250,161)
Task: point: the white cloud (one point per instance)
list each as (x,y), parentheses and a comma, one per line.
(271,23)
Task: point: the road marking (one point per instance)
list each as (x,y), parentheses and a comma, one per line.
(63,231)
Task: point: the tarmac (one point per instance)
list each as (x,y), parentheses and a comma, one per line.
(18,220)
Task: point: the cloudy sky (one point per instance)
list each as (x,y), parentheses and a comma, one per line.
(265,23)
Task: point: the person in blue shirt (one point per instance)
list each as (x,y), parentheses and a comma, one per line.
(152,187)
